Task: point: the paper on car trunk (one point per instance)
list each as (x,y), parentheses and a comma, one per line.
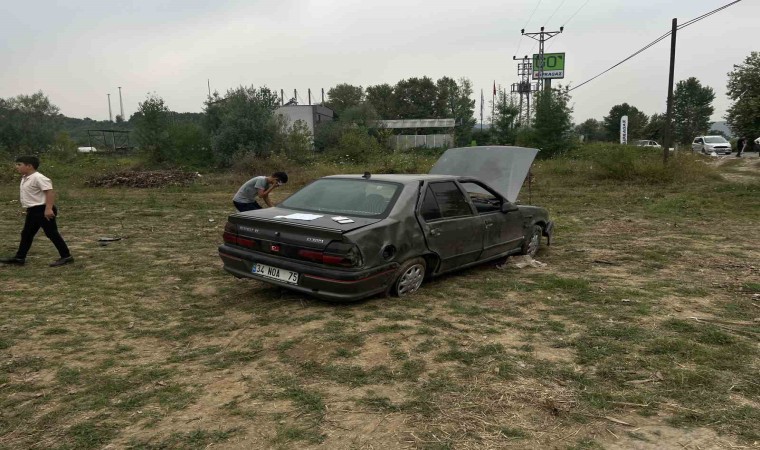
(501,167)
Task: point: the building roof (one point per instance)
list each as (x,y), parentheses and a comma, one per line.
(417,123)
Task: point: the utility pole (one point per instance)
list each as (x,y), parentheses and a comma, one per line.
(323,96)
(542,36)
(295,96)
(309,96)
(524,88)
(121,106)
(110,116)
(668,135)
(209,87)
(282,97)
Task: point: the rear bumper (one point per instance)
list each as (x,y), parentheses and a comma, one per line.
(329,284)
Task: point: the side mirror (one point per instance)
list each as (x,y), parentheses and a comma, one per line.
(508,207)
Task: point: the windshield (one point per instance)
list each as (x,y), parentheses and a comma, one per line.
(715,140)
(364,198)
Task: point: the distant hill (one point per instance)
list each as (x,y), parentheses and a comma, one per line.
(723,127)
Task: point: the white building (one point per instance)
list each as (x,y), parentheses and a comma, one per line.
(311,115)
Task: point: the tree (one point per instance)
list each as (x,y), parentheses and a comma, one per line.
(503,130)
(591,130)
(416,98)
(744,89)
(637,121)
(152,128)
(242,121)
(655,129)
(344,96)
(552,124)
(453,101)
(381,98)
(692,108)
(28,123)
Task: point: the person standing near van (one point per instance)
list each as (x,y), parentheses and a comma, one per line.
(38,198)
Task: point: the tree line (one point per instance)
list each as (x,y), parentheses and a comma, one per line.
(242,121)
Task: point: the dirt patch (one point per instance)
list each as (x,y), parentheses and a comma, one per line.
(144,179)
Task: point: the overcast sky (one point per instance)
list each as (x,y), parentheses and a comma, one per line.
(78,51)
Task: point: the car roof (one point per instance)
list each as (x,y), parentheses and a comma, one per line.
(398,178)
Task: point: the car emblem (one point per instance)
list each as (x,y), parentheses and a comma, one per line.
(275,248)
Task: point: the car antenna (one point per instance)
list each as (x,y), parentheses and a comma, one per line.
(366,175)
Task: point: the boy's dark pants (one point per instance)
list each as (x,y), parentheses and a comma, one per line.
(35,219)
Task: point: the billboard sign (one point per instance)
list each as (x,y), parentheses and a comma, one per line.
(624,130)
(554,66)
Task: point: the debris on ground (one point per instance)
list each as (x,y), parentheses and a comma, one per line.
(521,262)
(143,179)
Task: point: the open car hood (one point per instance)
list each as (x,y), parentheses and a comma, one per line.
(501,167)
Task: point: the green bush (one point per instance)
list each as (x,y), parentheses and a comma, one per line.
(630,164)
(355,145)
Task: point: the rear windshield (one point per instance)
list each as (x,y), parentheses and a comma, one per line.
(715,140)
(341,196)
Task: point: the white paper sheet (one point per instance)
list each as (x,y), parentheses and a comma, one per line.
(299,216)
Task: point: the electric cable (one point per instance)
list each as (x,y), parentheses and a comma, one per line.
(684,25)
(555,12)
(526,24)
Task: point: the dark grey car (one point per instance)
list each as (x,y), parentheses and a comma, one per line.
(347,237)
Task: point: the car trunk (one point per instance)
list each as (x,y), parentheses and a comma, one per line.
(270,231)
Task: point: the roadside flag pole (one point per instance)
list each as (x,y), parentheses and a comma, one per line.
(481,110)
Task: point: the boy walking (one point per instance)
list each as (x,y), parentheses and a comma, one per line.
(245,198)
(37,197)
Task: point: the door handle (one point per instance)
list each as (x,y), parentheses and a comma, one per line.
(489,224)
(435,231)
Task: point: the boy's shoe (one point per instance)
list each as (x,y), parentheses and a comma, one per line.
(13,260)
(62,261)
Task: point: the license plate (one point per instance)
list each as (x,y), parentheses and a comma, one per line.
(275,273)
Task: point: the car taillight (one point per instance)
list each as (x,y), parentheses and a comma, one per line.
(336,254)
(230,236)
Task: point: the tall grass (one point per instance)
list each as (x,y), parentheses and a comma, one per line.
(620,163)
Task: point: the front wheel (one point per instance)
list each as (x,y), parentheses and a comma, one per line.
(409,277)
(533,242)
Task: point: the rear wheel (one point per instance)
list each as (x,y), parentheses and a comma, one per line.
(533,242)
(409,277)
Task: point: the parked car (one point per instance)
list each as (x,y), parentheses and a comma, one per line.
(710,144)
(648,143)
(348,237)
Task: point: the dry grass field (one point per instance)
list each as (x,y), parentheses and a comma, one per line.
(642,331)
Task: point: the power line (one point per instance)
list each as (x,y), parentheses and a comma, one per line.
(526,24)
(621,62)
(704,16)
(555,12)
(575,13)
(686,24)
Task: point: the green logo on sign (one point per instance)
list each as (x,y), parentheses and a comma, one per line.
(553,66)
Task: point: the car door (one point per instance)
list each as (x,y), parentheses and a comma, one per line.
(502,231)
(697,145)
(451,228)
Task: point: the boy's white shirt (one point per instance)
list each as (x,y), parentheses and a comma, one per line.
(33,187)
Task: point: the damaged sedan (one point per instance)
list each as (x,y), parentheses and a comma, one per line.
(348,237)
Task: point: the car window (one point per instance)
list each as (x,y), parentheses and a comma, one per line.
(345,196)
(430,210)
(484,200)
(450,199)
(698,140)
(715,140)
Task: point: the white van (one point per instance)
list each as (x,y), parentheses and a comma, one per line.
(87,149)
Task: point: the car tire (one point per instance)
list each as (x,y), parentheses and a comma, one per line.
(532,244)
(408,277)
